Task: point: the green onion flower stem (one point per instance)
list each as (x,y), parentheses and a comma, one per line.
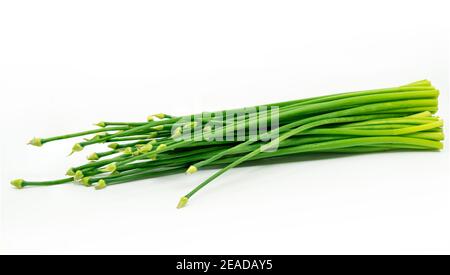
(368,121)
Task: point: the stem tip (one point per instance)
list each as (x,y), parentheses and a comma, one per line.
(36,142)
(86,181)
(191,170)
(100,185)
(146,148)
(158,128)
(93,156)
(161,147)
(70,172)
(78,175)
(177,133)
(110,168)
(113,146)
(128,151)
(160,116)
(183,202)
(101,124)
(76,148)
(18,183)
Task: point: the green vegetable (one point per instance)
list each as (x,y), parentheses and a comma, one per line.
(392,119)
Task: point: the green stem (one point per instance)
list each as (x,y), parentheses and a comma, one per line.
(46,183)
(85,133)
(321,146)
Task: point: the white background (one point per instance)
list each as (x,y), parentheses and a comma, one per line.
(67,64)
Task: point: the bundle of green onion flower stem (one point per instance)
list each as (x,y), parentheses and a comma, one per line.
(398,118)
